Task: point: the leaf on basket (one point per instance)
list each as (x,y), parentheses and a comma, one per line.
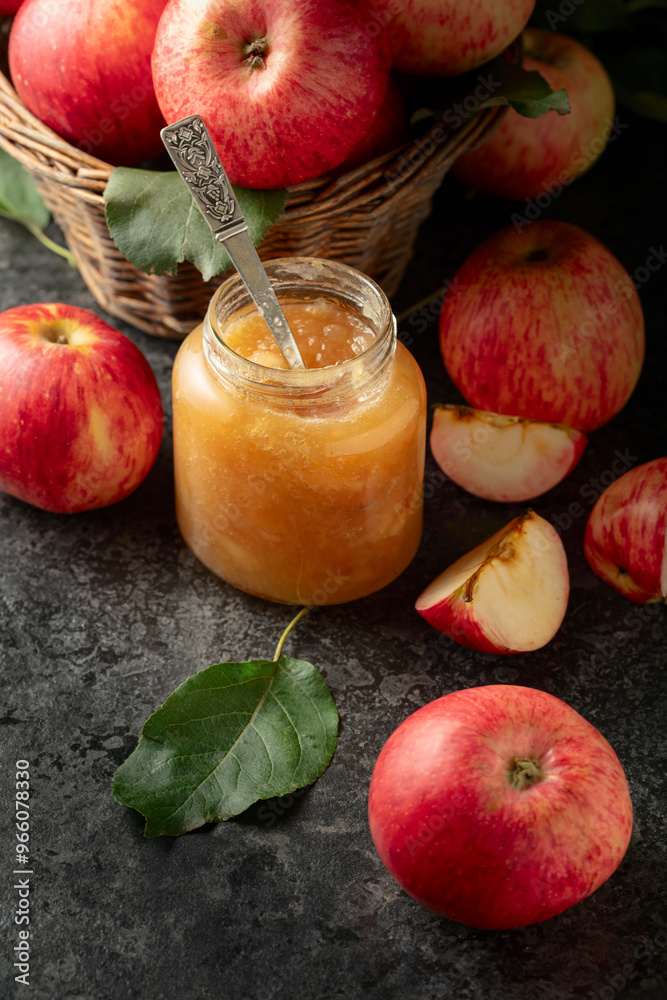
(228,736)
(453,100)
(155,223)
(528,92)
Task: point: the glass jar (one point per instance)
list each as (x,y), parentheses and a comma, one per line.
(300,486)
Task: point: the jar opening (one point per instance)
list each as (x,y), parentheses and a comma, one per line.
(303,279)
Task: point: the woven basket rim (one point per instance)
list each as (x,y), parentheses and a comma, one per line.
(367,217)
(44,153)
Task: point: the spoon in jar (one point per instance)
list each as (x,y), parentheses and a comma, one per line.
(191,148)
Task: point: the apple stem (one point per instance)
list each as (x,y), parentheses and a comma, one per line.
(255,52)
(524,771)
(50,244)
(279,647)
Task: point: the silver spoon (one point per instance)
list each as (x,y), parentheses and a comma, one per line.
(190,146)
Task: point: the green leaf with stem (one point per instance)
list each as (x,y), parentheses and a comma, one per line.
(155,223)
(499,82)
(21,201)
(228,736)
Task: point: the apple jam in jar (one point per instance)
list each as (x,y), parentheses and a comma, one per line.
(301,486)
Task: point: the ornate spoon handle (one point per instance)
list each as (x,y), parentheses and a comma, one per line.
(191,148)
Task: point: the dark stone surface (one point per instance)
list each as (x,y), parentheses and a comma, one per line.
(103,614)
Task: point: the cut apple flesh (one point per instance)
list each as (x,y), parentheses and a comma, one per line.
(507,595)
(505,458)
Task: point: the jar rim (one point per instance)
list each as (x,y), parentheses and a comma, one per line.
(294,275)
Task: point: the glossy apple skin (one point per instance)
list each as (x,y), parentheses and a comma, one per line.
(544,323)
(445,38)
(83,67)
(626,534)
(389,130)
(456,834)
(80,422)
(291,111)
(524,157)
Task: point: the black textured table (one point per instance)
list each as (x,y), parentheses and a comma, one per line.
(103,614)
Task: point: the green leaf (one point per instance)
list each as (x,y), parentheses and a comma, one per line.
(529,93)
(21,201)
(499,82)
(228,736)
(19,197)
(155,223)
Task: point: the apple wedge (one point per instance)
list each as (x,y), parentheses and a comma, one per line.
(508,595)
(497,457)
(626,535)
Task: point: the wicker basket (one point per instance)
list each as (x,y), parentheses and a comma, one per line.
(359,218)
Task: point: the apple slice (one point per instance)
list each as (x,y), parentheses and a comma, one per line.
(626,535)
(511,459)
(508,595)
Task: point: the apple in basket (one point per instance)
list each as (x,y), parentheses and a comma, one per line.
(83,68)
(80,410)
(529,157)
(499,806)
(389,130)
(543,321)
(447,37)
(286,89)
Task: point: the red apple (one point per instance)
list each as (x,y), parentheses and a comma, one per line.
(80,410)
(287,90)
(389,130)
(544,323)
(83,67)
(626,535)
(526,157)
(445,38)
(499,806)
(507,595)
(510,459)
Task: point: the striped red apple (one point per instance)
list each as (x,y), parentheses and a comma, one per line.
(287,90)
(626,535)
(80,410)
(544,323)
(83,67)
(499,806)
(445,37)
